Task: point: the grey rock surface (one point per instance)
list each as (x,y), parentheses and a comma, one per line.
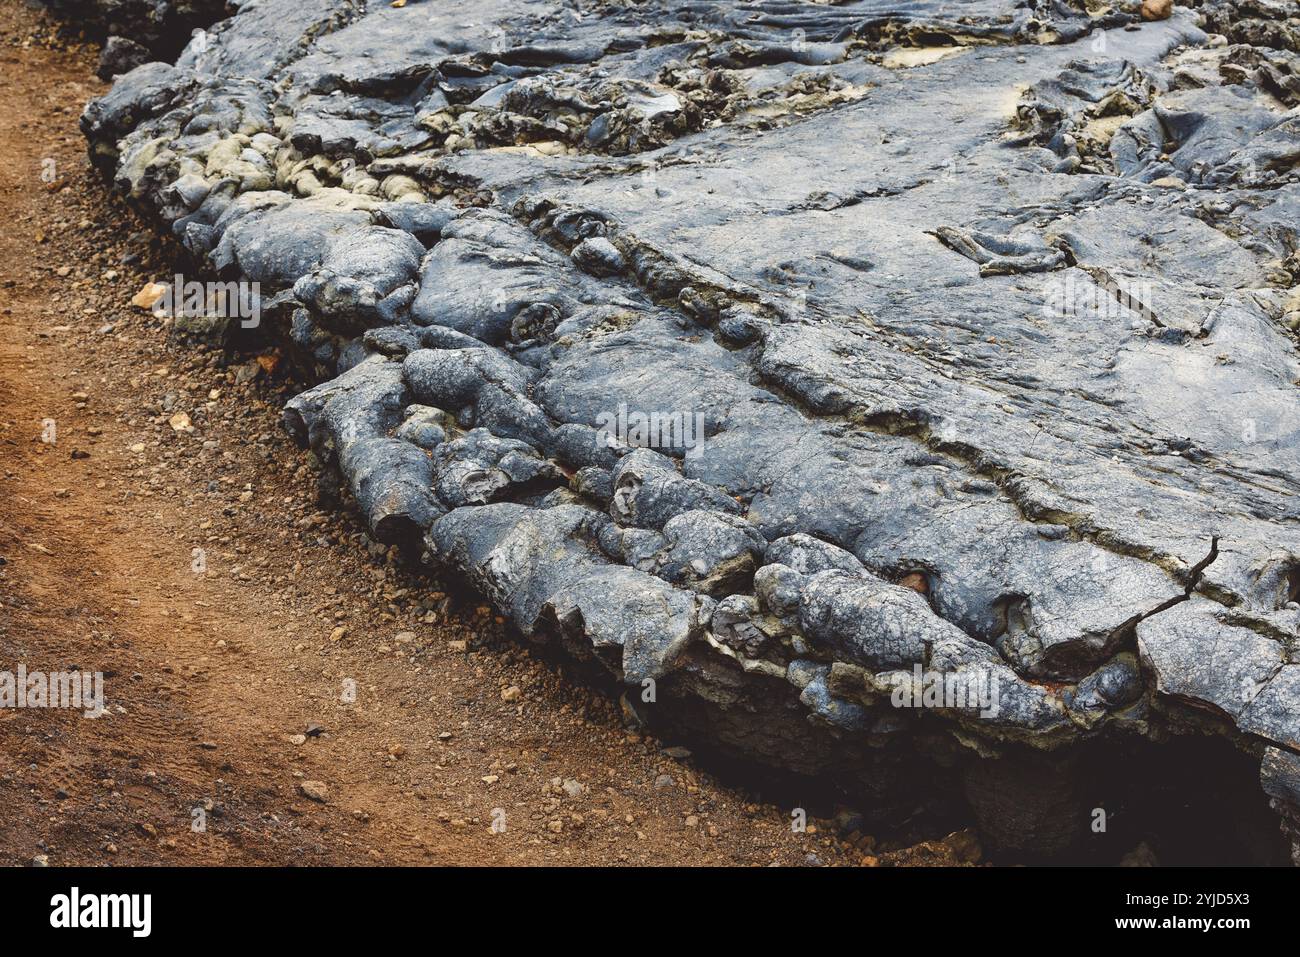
(119,56)
(788,354)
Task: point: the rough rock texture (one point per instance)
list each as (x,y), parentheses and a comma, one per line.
(161,26)
(121,55)
(987,311)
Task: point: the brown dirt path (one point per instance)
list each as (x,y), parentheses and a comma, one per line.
(213,679)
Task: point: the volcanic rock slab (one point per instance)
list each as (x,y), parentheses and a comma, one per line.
(785,357)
